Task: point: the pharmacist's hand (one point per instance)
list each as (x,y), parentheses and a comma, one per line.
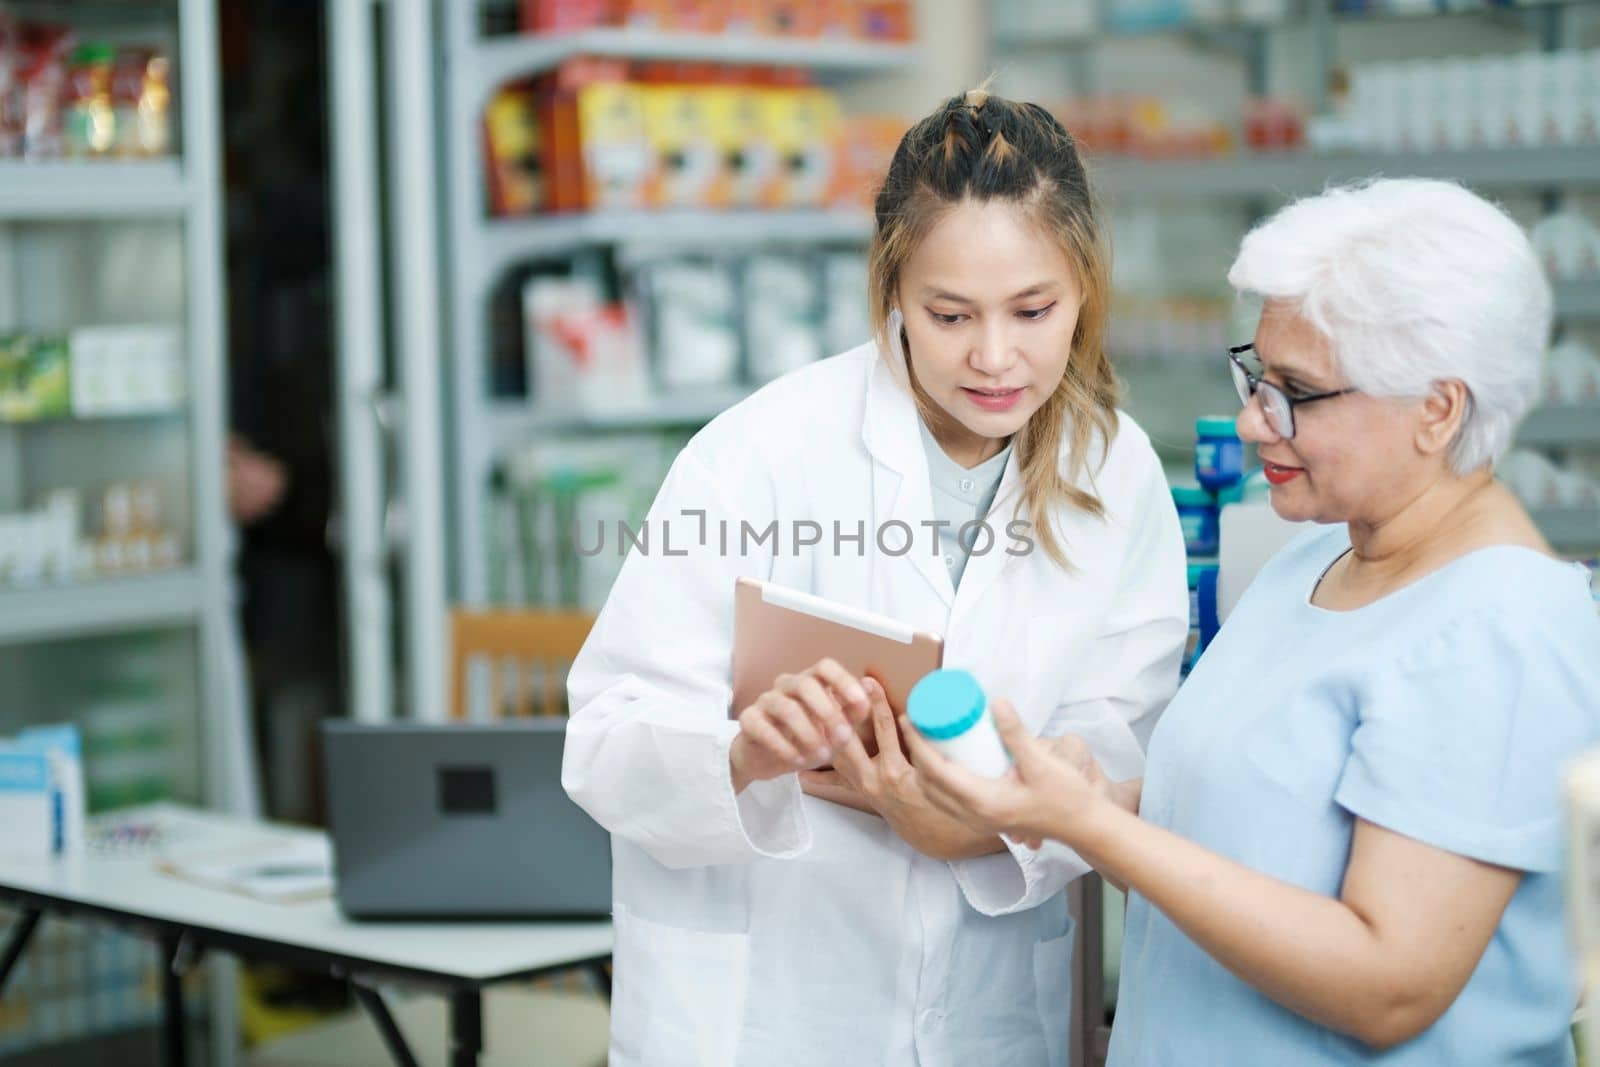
(1052,787)
(879,778)
(796,724)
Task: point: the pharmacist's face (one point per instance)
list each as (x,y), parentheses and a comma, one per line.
(1351,456)
(990,304)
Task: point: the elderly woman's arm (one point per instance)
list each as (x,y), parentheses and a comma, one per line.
(1378,964)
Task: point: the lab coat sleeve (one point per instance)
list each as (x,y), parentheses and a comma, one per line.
(647,745)
(1125,679)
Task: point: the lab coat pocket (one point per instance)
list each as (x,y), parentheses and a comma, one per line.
(1052,982)
(679,994)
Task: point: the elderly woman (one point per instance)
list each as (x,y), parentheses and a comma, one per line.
(1346,847)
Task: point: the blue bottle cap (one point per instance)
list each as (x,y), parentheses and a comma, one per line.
(945,704)
(1216,426)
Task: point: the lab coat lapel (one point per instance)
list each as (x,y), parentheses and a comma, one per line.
(892,438)
(983,570)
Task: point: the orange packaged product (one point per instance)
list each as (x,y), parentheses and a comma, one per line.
(695,16)
(803,127)
(618,162)
(788,18)
(513,151)
(866,146)
(640,14)
(686,170)
(557,104)
(839,18)
(557,16)
(750,163)
(886,20)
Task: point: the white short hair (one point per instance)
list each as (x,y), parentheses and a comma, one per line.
(1413,282)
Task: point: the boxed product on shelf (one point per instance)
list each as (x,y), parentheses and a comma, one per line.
(1521,100)
(555,16)
(618,163)
(669,135)
(42,792)
(890,20)
(783,314)
(34,377)
(584,354)
(865,147)
(886,20)
(1540,483)
(513,150)
(691,311)
(749,154)
(1568,244)
(1571,374)
(803,125)
(126,370)
(689,163)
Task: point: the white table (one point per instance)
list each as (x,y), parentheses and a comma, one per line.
(128,889)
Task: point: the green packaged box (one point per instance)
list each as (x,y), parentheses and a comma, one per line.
(33,378)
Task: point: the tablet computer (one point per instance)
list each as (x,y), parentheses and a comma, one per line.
(784,631)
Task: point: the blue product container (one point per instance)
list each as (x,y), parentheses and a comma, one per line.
(1203,623)
(1197,515)
(1218,452)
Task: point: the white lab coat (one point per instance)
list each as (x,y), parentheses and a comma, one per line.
(772,928)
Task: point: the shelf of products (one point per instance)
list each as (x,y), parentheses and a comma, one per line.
(1287,174)
(1574,426)
(687,139)
(498,60)
(49,612)
(1041,24)
(508,241)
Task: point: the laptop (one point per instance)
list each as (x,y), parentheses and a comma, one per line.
(464,821)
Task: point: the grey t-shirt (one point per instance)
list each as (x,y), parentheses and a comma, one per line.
(960,495)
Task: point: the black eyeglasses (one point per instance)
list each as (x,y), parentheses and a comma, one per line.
(1277,405)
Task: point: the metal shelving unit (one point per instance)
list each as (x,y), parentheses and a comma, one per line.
(513,422)
(1279,175)
(111,605)
(186,192)
(194,600)
(497,60)
(505,242)
(93,190)
(479,249)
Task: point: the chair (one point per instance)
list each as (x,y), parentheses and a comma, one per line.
(560,1021)
(536,648)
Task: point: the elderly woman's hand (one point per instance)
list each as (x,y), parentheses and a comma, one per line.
(1054,787)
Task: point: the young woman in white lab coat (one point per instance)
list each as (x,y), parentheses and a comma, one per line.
(768,913)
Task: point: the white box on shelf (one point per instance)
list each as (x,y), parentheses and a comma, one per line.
(126,370)
(41,792)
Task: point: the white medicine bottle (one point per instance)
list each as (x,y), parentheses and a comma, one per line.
(948,708)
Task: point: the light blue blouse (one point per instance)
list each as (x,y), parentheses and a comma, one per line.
(1446,712)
